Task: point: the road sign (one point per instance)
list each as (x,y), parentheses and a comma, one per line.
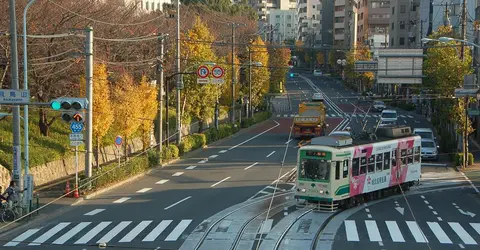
(203,80)
(217,81)
(203,71)
(473,112)
(76,143)
(14,96)
(218,72)
(76,127)
(76,137)
(118,141)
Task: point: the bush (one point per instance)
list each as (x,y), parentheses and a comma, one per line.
(192,142)
(153,158)
(261,116)
(459,159)
(112,173)
(247,122)
(170,152)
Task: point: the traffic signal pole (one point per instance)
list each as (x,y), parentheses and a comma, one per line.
(89,84)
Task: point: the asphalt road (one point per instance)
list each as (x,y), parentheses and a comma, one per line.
(162,209)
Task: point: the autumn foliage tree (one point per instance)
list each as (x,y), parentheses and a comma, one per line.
(278,63)
(226,88)
(360,53)
(260,75)
(148,109)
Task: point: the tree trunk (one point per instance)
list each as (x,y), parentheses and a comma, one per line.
(97,153)
(43,123)
(125,148)
(200,126)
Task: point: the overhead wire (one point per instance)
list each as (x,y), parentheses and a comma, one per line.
(52,56)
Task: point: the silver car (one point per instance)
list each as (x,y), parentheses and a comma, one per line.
(429,150)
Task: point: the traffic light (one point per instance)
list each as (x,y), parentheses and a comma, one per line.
(72,108)
(291,74)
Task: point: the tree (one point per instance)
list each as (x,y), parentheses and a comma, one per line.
(226,95)
(127,101)
(199,99)
(148,109)
(260,75)
(458,113)
(360,53)
(321,58)
(102,106)
(278,63)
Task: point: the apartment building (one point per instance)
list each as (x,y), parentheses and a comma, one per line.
(285,25)
(403,27)
(325,29)
(308,20)
(264,7)
(345,23)
(148,5)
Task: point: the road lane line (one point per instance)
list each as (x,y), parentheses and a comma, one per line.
(439,233)
(68,235)
(288,141)
(395,232)
(417,232)
(372,230)
(266,226)
(49,234)
(122,200)
(367,210)
(161,182)
(177,174)
(251,165)
(435,212)
(178,202)
(136,231)
(153,235)
(213,156)
(476,226)
(22,237)
(423,197)
(351,230)
(112,233)
(461,246)
(471,184)
(144,190)
(273,152)
(222,151)
(191,167)
(369,216)
(175,234)
(203,161)
(94,212)
(464,236)
(439,219)
(213,185)
(240,144)
(93,232)
(426,202)
(430,207)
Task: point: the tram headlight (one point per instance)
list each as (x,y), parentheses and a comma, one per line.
(321,191)
(304,190)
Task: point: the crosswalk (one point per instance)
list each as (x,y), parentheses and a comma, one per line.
(411,231)
(82,233)
(345,115)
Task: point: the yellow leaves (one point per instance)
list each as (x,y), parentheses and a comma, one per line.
(458,112)
(320,57)
(299,45)
(148,109)
(260,75)
(278,63)
(127,106)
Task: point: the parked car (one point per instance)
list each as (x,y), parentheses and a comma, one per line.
(317,72)
(379,106)
(389,115)
(425,133)
(429,150)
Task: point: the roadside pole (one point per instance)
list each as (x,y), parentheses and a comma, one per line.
(160,96)
(76,168)
(89,83)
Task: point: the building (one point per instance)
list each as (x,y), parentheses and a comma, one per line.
(308,20)
(403,27)
(263,7)
(345,23)
(285,25)
(147,5)
(325,29)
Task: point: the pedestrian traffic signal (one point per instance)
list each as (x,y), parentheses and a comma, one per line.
(72,108)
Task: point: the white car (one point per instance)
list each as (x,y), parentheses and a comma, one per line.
(388,116)
(379,106)
(317,72)
(425,133)
(317,97)
(341,133)
(429,150)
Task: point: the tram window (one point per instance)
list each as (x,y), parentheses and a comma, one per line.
(371,164)
(363,165)
(337,171)
(394,158)
(416,157)
(386,160)
(379,162)
(404,157)
(355,167)
(410,156)
(345,168)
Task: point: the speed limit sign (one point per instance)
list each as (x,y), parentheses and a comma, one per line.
(217,72)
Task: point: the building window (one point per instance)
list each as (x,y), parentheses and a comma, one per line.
(289,25)
(393,26)
(402,25)
(403,9)
(313,6)
(392,43)
(146,5)
(158,6)
(402,41)
(393,10)
(153,6)
(313,17)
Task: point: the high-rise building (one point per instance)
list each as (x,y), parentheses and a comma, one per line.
(308,20)
(345,23)
(263,7)
(403,27)
(285,25)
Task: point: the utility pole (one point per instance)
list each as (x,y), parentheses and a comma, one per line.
(160,95)
(233,72)
(17,150)
(249,107)
(462,55)
(179,79)
(464,28)
(386,35)
(89,84)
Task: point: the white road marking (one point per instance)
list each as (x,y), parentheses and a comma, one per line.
(203,161)
(423,197)
(426,202)
(212,156)
(466,238)
(251,165)
(191,167)
(369,216)
(177,174)
(439,233)
(72,232)
(220,182)
(439,219)
(416,232)
(395,232)
(380,243)
(367,210)
(49,234)
(273,152)
(112,233)
(222,151)
(144,190)
(93,232)
(95,211)
(409,116)
(288,141)
(175,234)
(351,230)
(178,202)
(461,246)
(402,116)
(471,184)
(476,226)
(292,115)
(435,212)
(430,207)
(240,144)
(278,115)
(405,121)
(454,204)
(153,235)
(136,231)
(161,182)
(22,237)
(122,200)
(372,230)
(266,226)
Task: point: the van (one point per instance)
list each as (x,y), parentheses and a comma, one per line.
(388,115)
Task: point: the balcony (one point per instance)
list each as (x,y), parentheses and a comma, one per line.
(339,37)
(340,13)
(339,25)
(339,2)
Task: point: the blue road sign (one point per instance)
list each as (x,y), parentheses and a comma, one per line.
(76,127)
(118,140)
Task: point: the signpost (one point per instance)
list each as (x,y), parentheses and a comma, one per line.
(118,143)
(203,72)
(14,96)
(76,139)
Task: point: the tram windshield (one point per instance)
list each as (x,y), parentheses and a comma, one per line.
(314,169)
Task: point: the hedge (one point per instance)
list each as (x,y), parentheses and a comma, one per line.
(192,142)
(459,159)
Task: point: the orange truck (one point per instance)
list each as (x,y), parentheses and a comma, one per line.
(310,120)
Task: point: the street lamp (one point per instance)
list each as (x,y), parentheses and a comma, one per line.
(342,63)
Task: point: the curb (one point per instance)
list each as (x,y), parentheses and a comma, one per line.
(183,157)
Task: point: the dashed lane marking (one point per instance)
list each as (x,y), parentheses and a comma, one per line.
(144,190)
(94,212)
(177,174)
(191,167)
(122,200)
(161,182)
